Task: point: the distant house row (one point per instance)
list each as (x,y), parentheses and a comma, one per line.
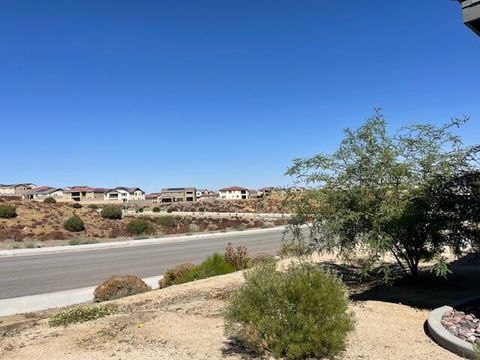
(29,191)
(190,194)
(75,193)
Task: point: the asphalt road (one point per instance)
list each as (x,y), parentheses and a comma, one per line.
(38,274)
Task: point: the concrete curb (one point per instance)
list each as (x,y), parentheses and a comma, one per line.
(128,243)
(40,302)
(443,337)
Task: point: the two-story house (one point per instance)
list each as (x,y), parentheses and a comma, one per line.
(124,194)
(234,193)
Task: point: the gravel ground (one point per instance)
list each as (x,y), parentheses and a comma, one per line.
(184,322)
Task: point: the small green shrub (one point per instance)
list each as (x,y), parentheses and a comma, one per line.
(212,266)
(76,205)
(139,227)
(49,200)
(167,221)
(241,227)
(79,314)
(296,314)
(169,210)
(111,212)
(80,241)
(171,275)
(267,225)
(156,209)
(140,210)
(93,206)
(201,209)
(7,211)
(117,287)
(74,224)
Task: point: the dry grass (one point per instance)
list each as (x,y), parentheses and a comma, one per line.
(39,222)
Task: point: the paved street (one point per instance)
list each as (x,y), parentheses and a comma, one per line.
(37,274)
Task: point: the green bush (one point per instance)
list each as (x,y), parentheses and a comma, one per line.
(93,206)
(296,314)
(156,209)
(212,266)
(169,210)
(7,211)
(79,241)
(49,200)
(74,224)
(167,221)
(171,275)
(140,210)
(117,287)
(79,314)
(111,212)
(139,227)
(77,205)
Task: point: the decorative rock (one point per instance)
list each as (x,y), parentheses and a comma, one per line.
(462,325)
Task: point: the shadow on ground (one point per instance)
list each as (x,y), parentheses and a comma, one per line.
(427,292)
(235,347)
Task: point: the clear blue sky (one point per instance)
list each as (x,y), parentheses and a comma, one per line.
(215,93)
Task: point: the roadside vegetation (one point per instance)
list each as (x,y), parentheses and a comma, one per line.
(7,211)
(74,224)
(111,212)
(233,259)
(117,287)
(140,227)
(79,314)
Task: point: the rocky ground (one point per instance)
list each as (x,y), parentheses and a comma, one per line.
(464,326)
(185,322)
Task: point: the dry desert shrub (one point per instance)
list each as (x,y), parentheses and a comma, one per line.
(120,286)
(174,273)
(237,257)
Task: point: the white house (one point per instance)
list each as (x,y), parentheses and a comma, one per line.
(43,192)
(15,189)
(124,194)
(234,193)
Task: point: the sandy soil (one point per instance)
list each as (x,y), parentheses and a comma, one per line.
(184,322)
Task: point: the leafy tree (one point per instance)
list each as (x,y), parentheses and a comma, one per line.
(410,194)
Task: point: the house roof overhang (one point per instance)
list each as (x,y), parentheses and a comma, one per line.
(471,14)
